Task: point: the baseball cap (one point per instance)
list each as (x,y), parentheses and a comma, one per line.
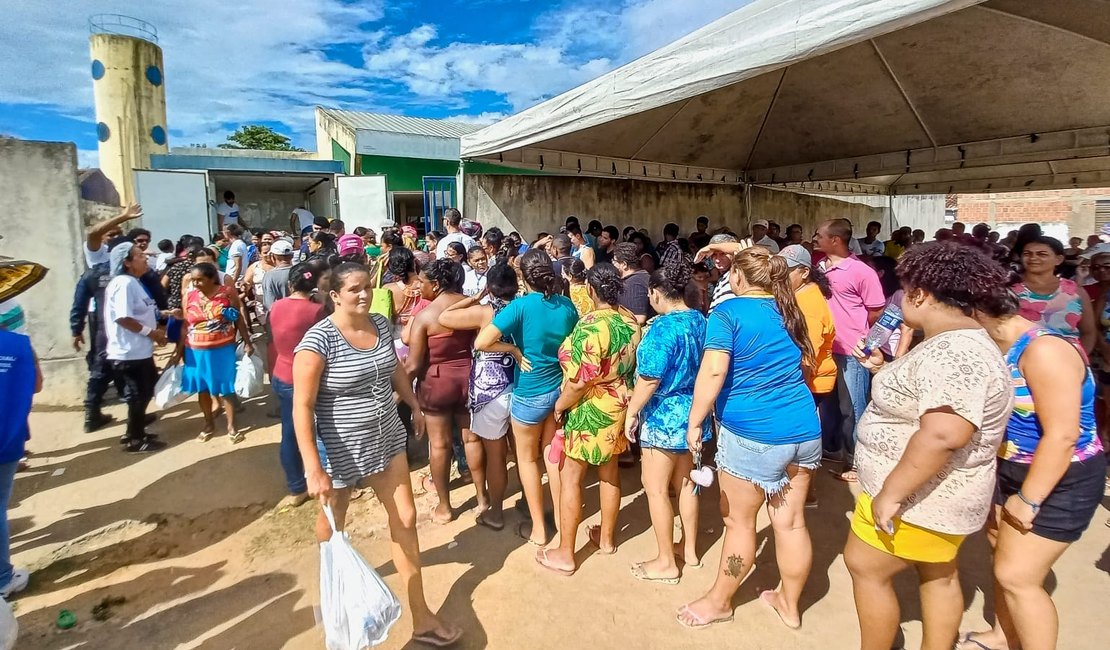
(281,247)
(761,222)
(350,243)
(796,255)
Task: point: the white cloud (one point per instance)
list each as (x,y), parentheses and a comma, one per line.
(87,158)
(481,119)
(259,60)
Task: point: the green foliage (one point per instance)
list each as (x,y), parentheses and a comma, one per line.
(256,136)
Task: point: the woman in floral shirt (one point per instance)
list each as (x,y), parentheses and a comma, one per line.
(599,363)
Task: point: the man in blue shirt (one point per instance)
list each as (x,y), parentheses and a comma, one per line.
(20,379)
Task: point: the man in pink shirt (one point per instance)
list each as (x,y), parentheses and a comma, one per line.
(857,302)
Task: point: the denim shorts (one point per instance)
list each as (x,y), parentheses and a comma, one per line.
(764,465)
(533,410)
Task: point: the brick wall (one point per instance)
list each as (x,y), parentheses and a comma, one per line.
(1073,209)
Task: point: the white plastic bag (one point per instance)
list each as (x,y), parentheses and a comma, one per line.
(9,628)
(167,392)
(357,608)
(248,375)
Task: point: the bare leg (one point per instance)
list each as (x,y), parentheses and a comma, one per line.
(688,508)
(527,438)
(553,474)
(1021,564)
(610,495)
(873,573)
(206,410)
(656,472)
(393,489)
(229,413)
(475,459)
(793,548)
(740,502)
(440,455)
(942,604)
(570,515)
(497,477)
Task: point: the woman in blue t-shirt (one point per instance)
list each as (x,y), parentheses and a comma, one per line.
(536,323)
(770,440)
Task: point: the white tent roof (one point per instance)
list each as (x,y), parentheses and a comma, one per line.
(907,96)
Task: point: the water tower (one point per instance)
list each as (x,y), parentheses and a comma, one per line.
(130,97)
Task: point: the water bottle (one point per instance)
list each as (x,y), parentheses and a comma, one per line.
(880,332)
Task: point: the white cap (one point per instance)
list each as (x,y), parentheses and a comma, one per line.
(761,222)
(281,247)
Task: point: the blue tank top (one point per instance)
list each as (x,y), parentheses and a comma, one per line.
(1023,431)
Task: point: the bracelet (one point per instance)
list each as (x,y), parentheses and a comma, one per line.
(1032,504)
(145,331)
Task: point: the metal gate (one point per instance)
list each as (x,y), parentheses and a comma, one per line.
(1102,215)
(439,194)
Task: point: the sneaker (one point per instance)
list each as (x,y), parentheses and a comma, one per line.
(96,420)
(126,439)
(20,578)
(145,446)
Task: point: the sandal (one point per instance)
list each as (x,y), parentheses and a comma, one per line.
(437,640)
(527,535)
(546,563)
(482,521)
(848,476)
(699,622)
(637,570)
(236,437)
(206,435)
(594,533)
(966,638)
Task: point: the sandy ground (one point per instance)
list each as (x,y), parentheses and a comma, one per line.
(182,549)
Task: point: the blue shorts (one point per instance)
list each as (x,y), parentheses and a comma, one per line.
(764,465)
(533,410)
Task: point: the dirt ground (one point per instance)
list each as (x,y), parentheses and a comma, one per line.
(182,549)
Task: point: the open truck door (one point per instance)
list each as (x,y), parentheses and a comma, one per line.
(174,204)
(364,201)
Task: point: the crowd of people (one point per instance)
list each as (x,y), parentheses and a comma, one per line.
(596,348)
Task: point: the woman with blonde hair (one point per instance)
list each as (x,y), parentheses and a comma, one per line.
(769,440)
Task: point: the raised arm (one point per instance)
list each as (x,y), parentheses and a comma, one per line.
(94,234)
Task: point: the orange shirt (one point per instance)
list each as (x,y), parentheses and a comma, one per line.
(822,331)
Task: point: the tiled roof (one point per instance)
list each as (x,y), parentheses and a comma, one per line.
(400,123)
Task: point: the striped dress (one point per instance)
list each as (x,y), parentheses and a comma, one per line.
(356,417)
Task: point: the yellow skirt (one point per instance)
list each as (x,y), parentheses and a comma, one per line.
(908,542)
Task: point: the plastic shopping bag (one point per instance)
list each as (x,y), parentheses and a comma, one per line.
(167,392)
(248,375)
(357,608)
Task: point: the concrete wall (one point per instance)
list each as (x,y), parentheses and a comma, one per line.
(924,211)
(1066,212)
(130,99)
(532,204)
(42,223)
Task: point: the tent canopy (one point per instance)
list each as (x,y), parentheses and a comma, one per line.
(913,96)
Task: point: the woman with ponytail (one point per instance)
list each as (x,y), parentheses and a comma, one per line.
(667,364)
(770,440)
(599,362)
(536,323)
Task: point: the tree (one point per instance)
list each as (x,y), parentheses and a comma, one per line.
(256,136)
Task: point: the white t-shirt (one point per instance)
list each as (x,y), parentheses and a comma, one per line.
(466,240)
(474,283)
(98,256)
(854,247)
(237,252)
(161,260)
(768,243)
(125,297)
(230,213)
(304,218)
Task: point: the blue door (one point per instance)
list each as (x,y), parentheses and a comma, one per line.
(439,194)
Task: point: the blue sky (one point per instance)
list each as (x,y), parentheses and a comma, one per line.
(260,61)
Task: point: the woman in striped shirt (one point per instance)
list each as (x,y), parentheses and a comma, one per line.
(344,374)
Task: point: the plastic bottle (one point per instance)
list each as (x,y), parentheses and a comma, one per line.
(881,331)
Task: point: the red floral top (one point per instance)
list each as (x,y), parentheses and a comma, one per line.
(208,319)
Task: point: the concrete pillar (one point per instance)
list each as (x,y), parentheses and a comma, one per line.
(130,96)
(42,223)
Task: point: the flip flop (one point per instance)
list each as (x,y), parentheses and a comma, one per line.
(637,570)
(546,563)
(437,640)
(482,521)
(967,639)
(776,611)
(848,476)
(698,621)
(594,533)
